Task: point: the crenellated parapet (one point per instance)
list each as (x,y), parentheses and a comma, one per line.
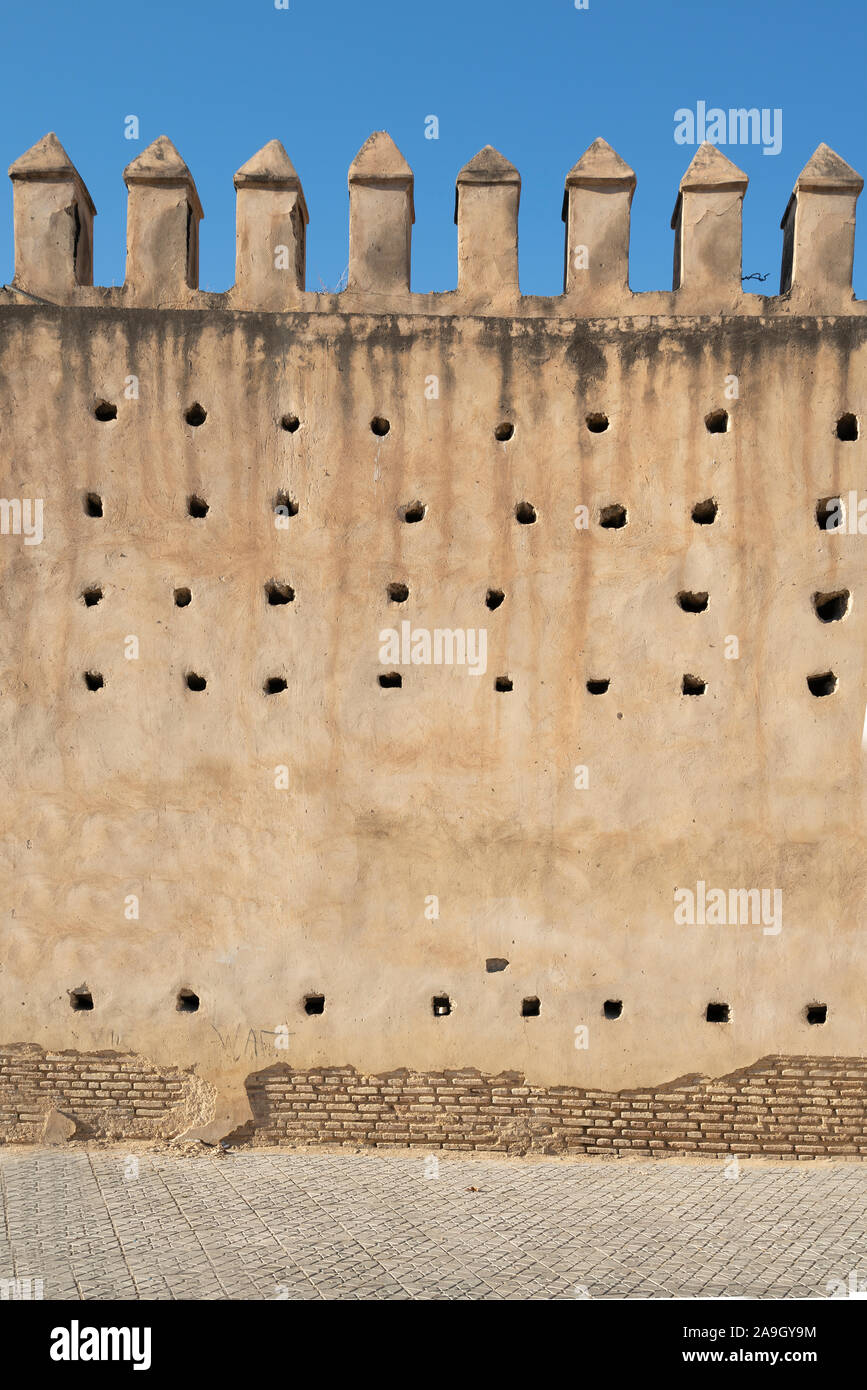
(53,215)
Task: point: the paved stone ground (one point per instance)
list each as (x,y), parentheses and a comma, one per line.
(111,1223)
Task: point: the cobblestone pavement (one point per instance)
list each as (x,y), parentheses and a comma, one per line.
(112,1223)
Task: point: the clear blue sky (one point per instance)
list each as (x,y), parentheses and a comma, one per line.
(537,80)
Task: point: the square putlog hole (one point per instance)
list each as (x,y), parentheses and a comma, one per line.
(830,514)
(278,593)
(822,683)
(704,513)
(693,685)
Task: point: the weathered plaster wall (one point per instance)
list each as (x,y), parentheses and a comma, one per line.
(254,896)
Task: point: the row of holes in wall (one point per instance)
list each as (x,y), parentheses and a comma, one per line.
(441,1004)
(612,517)
(716,422)
(819,684)
(829,607)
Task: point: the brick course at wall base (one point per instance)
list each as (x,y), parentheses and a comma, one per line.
(780,1107)
(110,1095)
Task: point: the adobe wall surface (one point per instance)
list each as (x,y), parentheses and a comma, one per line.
(258,849)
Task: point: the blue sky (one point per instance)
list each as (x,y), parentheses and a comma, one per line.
(537,80)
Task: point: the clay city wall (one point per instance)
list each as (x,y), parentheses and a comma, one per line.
(433,719)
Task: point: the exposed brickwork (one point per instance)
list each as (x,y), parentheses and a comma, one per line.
(787,1107)
(108,1094)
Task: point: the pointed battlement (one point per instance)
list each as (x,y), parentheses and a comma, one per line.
(819,227)
(162,231)
(381,215)
(271,222)
(596,208)
(54,215)
(487,195)
(707,225)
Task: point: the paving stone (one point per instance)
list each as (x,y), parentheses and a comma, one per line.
(308,1226)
